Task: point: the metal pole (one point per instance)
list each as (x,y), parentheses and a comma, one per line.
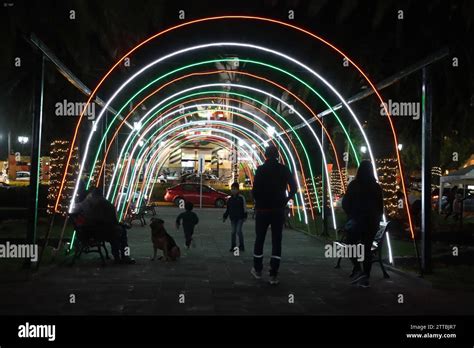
(426,114)
(323,185)
(9,144)
(200,192)
(35,152)
(63,70)
(380,85)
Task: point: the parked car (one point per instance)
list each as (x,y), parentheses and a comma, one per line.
(22,176)
(190,192)
(162,179)
(167,177)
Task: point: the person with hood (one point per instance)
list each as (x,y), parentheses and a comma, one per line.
(363,204)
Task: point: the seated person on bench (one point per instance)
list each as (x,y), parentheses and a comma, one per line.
(363,204)
(99,216)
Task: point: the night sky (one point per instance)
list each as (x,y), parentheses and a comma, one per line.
(368,31)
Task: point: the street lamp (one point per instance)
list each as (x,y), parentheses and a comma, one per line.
(363,149)
(137,125)
(23,140)
(400,147)
(271,131)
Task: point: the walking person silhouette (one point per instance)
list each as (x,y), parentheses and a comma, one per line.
(270,194)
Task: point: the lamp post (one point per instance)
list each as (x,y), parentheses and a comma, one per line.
(23,140)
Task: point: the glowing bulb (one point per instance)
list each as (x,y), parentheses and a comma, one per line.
(271,131)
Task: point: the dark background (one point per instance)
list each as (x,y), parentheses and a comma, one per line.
(368,31)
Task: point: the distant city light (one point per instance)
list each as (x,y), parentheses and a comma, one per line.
(363,149)
(23,139)
(271,131)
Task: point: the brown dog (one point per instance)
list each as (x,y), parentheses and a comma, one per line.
(163,241)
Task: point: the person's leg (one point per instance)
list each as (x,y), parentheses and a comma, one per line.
(261,224)
(109,234)
(122,232)
(278,219)
(188,237)
(367,240)
(240,222)
(353,238)
(233,227)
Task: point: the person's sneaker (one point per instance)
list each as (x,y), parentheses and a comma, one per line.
(364,282)
(256,275)
(274,280)
(357,276)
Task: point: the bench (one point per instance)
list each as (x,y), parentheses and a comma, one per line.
(150,208)
(376,250)
(85,243)
(138,215)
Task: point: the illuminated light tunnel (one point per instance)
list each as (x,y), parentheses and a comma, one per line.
(250,136)
(251,88)
(156,164)
(158,158)
(245,96)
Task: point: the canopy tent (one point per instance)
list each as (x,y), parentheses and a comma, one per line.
(461,177)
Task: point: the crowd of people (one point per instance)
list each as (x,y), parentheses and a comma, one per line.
(273,188)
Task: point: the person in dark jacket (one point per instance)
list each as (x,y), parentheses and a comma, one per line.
(270,194)
(237,212)
(100,217)
(190,220)
(363,204)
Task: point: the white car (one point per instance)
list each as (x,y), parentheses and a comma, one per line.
(22,176)
(162,179)
(212,177)
(168,177)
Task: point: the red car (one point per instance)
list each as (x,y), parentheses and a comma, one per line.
(189,192)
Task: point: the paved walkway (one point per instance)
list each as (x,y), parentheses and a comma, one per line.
(214,281)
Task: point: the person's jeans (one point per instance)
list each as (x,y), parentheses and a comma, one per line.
(237,231)
(353,237)
(116,235)
(188,236)
(368,233)
(275,219)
